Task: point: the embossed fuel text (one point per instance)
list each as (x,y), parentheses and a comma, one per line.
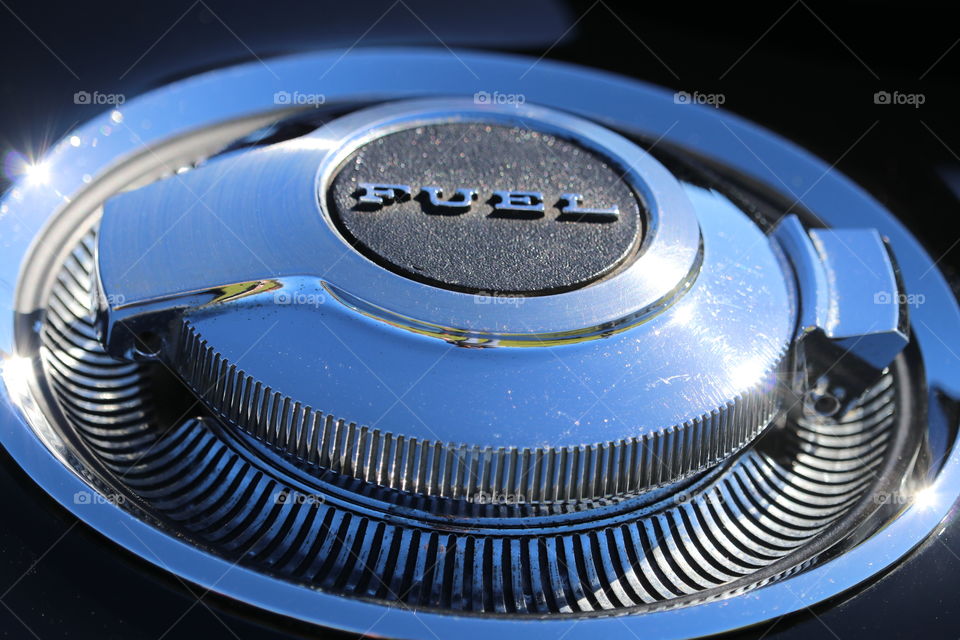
(372,196)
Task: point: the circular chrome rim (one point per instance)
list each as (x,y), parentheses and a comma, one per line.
(151,119)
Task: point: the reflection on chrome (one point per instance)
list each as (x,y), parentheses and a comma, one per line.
(720,431)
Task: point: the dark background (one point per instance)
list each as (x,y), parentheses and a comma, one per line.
(808,71)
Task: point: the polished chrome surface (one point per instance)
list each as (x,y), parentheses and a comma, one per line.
(149,269)
(497,554)
(854,310)
(676,396)
(862,541)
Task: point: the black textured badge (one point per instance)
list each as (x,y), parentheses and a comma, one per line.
(486,208)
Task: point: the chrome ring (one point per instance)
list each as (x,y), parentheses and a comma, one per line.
(28,211)
(667,260)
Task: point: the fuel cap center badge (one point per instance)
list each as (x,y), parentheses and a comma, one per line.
(487,207)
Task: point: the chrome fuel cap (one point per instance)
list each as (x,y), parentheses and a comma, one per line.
(411,364)
(425,289)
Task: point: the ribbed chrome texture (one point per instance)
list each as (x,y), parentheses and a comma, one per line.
(709,539)
(455,470)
